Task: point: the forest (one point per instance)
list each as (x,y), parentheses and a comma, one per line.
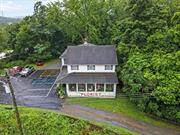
(146,34)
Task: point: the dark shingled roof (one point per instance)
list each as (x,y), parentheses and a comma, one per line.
(90,54)
(89,78)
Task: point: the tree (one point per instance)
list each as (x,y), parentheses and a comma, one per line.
(3,38)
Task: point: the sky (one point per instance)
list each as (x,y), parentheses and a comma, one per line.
(18,8)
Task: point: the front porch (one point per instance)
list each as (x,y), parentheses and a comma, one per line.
(106,90)
(102,85)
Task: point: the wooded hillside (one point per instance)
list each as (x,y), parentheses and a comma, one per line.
(5,20)
(145,32)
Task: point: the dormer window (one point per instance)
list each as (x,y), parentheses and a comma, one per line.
(90,67)
(108,67)
(74,67)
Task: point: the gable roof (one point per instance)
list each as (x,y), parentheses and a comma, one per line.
(90,54)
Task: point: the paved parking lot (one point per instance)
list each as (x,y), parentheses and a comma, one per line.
(37,89)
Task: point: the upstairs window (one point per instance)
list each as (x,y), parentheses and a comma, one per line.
(108,67)
(90,67)
(74,67)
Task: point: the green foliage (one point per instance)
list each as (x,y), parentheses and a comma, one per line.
(148,53)
(156,73)
(46,123)
(3,38)
(60,91)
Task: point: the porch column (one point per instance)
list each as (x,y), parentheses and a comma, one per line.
(104,87)
(67,87)
(95,87)
(76,87)
(85,87)
(115,86)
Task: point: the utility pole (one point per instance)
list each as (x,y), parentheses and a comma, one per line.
(14,103)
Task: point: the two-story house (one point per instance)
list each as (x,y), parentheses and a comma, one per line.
(88,70)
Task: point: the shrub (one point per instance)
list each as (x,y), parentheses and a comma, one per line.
(60,91)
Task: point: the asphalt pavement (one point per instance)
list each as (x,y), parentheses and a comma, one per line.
(34,91)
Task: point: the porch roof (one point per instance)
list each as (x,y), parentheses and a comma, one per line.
(89,78)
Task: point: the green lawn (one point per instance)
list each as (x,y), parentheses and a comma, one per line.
(120,106)
(43,122)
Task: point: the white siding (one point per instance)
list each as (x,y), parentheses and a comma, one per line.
(83,68)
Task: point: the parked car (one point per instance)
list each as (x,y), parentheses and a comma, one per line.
(39,63)
(27,71)
(15,70)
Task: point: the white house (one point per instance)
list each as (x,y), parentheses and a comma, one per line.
(88,70)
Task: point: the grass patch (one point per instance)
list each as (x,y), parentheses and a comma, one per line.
(120,106)
(42,122)
(116,129)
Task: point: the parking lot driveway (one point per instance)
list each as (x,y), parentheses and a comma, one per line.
(36,90)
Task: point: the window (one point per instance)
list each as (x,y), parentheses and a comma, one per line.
(74,67)
(109,87)
(72,87)
(99,87)
(90,87)
(81,87)
(108,67)
(90,67)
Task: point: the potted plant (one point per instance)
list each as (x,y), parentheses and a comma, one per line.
(60,91)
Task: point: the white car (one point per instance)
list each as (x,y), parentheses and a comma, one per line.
(26,71)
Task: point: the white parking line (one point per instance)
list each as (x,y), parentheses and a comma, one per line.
(34,96)
(53,84)
(37,89)
(32,73)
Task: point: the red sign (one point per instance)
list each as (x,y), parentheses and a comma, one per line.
(91,94)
